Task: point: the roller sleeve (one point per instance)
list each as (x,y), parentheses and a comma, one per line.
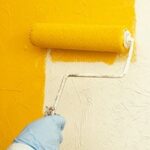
(79,37)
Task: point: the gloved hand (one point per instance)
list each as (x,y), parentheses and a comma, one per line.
(43,134)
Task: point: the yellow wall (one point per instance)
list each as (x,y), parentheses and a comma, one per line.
(102,12)
(22,64)
(21,69)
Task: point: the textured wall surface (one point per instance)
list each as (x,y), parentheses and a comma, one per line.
(107,114)
(22,69)
(22,65)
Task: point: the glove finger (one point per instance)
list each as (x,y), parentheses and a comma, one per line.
(59,120)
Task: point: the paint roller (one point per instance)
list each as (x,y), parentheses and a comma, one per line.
(115,39)
(79,37)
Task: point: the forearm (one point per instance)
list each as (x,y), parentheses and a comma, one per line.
(19,146)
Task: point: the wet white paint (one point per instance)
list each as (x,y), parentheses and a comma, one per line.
(103,113)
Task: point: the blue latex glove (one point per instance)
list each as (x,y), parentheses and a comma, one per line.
(43,134)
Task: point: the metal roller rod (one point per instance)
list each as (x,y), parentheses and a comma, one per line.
(128,43)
